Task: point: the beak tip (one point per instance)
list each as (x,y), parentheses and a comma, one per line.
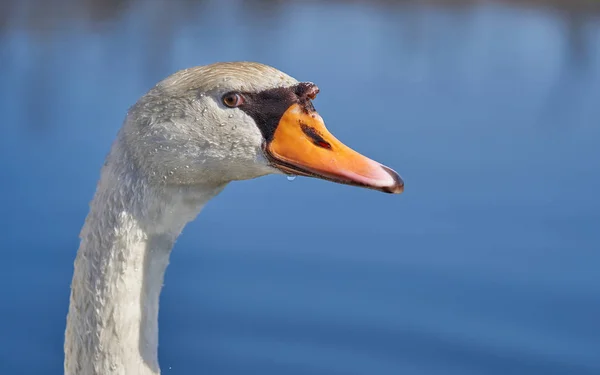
(398,186)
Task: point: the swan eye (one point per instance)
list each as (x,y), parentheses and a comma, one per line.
(233,99)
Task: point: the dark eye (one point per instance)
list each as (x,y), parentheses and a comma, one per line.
(233,99)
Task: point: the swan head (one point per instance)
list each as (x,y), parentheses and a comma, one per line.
(234,121)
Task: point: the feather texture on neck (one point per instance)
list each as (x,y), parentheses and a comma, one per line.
(112,326)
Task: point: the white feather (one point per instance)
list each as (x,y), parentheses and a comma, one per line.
(178,148)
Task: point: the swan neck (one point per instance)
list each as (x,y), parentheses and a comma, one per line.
(112,325)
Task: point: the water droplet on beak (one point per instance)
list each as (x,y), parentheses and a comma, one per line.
(291,177)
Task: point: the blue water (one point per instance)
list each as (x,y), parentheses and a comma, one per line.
(487,264)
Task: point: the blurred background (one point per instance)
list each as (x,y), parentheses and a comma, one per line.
(487,264)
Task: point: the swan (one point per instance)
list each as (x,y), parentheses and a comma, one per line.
(179,146)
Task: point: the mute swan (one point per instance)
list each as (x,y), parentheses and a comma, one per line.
(180,144)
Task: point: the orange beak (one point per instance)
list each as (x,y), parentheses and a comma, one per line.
(302,145)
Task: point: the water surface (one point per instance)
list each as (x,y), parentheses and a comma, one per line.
(487,264)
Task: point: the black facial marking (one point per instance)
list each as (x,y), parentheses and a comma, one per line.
(306,91)
(317,139)
(267,107)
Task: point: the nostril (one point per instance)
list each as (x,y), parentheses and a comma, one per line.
(314,135)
